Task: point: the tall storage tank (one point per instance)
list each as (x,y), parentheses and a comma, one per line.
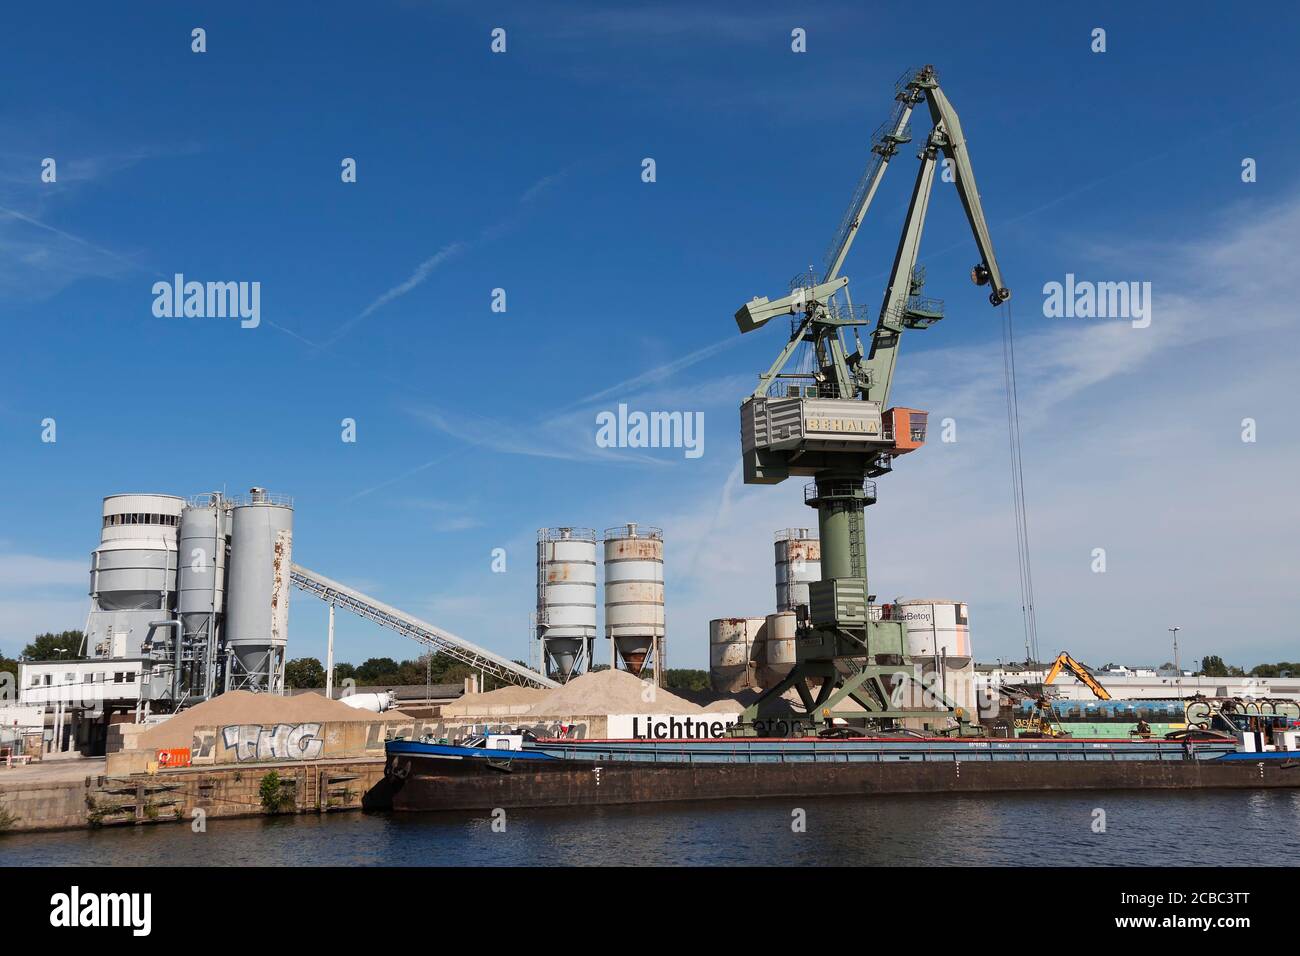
(257,592)
(634,592)
(779,648)
(132,574)
(204,540)
(566,598)
(798,562)
(935,628)
(736,646)
(938,641)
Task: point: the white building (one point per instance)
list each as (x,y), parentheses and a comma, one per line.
(1140,683)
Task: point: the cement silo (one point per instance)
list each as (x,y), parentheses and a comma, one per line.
(133,577)
(934,628)
(737,646)
(204,542)
(257,591)
(779,648)
(938,641)
(798,562)
(634,596)
(566,599)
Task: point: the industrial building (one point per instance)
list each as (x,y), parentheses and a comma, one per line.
(189,599)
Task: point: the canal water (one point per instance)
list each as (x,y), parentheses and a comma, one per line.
(1111,828)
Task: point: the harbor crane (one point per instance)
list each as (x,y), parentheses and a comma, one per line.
(831,420)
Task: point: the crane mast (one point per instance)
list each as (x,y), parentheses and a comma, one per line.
(832,423)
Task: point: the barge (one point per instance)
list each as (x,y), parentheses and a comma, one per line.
(504,771)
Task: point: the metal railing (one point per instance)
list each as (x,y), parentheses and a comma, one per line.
(262,498)
(740,750)
(840,488)
(627,531)
(800,386)
(566,534)
(332,592)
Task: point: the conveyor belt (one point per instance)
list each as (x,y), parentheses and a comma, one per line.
(340,595)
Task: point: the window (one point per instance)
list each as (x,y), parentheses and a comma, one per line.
(47,679)
(36,680)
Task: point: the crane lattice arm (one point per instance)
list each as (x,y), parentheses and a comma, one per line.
(842,374)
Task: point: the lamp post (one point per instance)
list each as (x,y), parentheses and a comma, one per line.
(1178,671)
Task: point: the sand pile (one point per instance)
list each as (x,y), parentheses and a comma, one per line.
(503,701)
(245,707)
(610,692)
(725,706)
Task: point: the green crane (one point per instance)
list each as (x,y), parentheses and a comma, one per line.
(831,421)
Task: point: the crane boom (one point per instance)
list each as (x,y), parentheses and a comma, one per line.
(903,306)
(886,139)
(943,115)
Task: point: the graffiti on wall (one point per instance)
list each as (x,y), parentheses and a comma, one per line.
(380,733)
(281,742)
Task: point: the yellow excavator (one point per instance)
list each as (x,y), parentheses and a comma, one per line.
(1044,722)
(1065,662)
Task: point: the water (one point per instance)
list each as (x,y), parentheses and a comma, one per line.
(1203,828)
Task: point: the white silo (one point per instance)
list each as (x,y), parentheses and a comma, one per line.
(798,562)
(934,627)
(204,542)
(938,641)
(566,599)
(257,591)
(634,596)
(133,577)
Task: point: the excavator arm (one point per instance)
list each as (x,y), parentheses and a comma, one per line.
(1065,662)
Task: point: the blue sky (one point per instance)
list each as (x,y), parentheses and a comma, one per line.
(522,171)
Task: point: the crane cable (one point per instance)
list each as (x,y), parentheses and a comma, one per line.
(1030,622)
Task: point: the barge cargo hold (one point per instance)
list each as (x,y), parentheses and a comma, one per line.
(429,776)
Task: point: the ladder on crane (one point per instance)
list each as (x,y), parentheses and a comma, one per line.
(435,638)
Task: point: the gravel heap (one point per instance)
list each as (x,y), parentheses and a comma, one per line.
(245,707)
(610,692)
(499,702)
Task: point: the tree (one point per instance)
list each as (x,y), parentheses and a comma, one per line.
(304,672)
(377,670)
(685,679)
(1213,666)
(271,792)
(64,646)
(344,671)
(1280,669)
